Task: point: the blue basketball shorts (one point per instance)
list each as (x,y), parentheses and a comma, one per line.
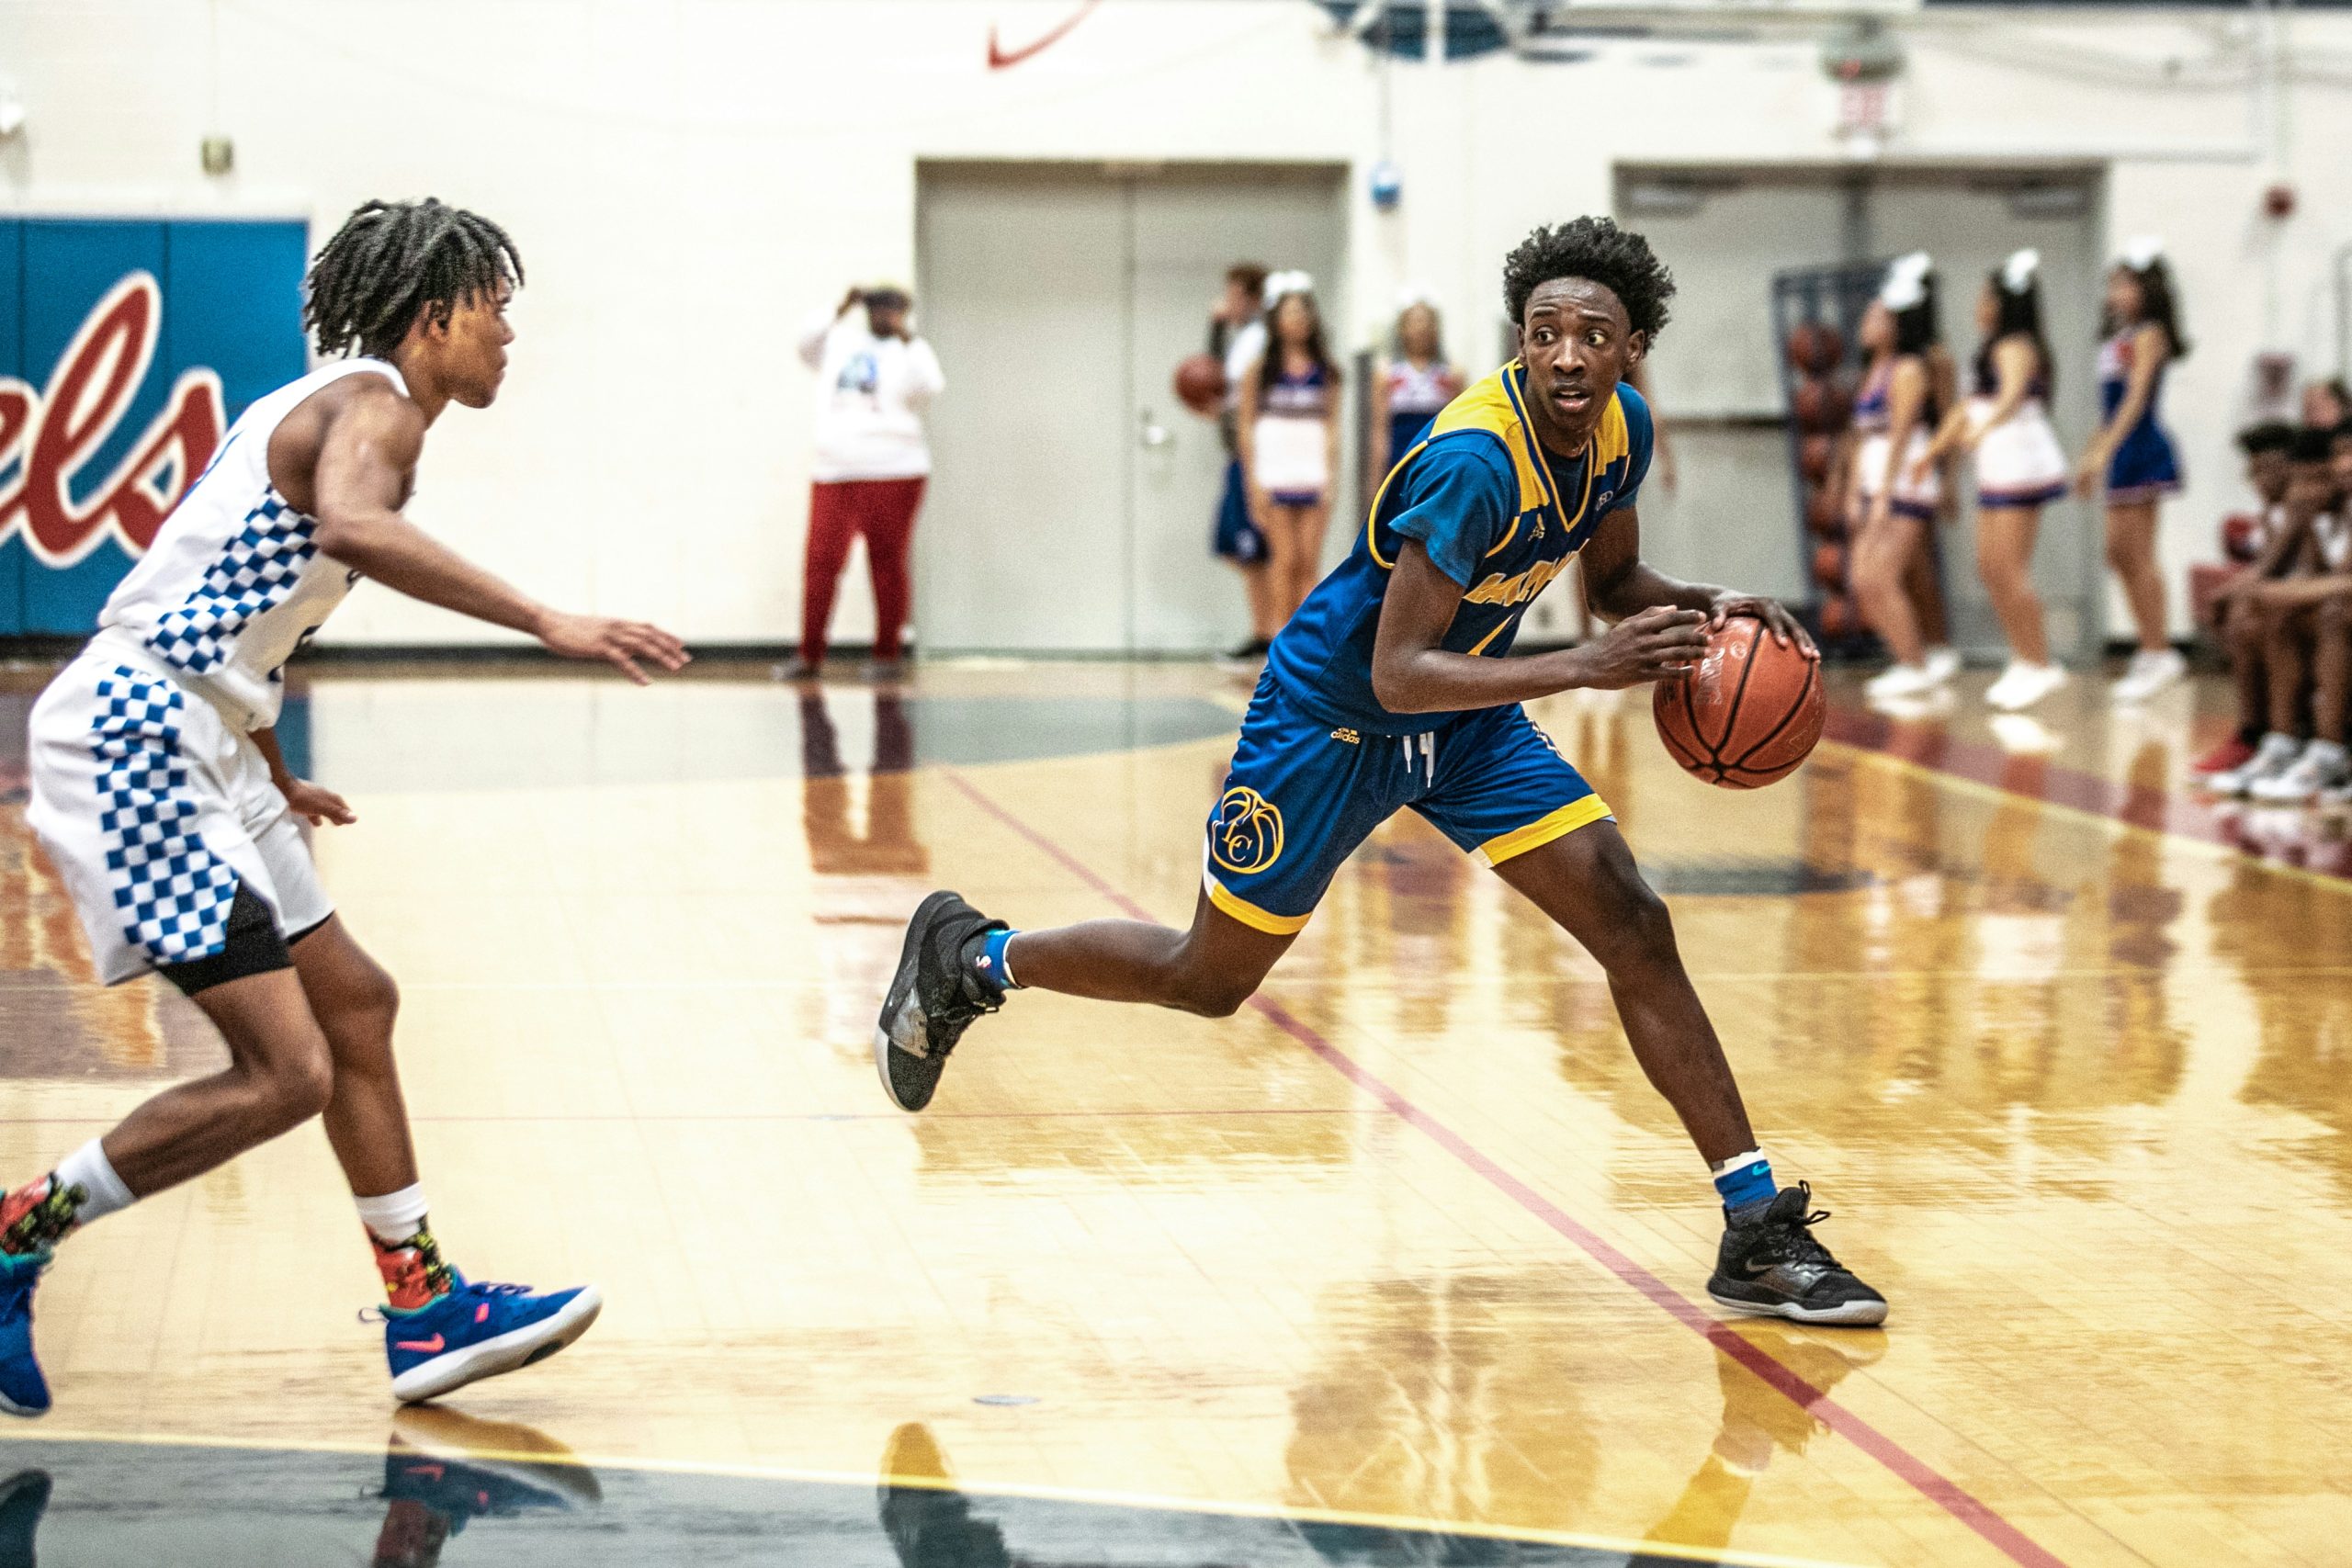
(1303,793)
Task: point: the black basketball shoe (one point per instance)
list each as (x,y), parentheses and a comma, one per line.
(1770,1265)
(933,997)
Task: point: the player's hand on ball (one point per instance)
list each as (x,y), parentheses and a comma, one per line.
(1656,644)
(1785,628)
(618,643)
(317,804)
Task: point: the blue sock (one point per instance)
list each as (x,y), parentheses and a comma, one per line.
(991,963)
(1744,1180)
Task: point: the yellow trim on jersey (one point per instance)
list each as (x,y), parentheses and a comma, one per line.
(1491,636)
(1492,405)
(1543,830)
(1249,915)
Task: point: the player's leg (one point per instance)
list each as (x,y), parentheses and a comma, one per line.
(2281,637)
(2323,766)
(832,524)
(1298,799)
(1503,792)
(441,1330)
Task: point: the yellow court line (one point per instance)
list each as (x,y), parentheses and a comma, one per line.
(1963,785)
(1155,1502)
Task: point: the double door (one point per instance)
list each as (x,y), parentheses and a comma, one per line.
(1072,496)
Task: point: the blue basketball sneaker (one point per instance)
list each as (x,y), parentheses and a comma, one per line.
(23,1391)
(479,1331)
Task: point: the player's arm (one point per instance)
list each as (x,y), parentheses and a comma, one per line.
(1412,673)
(2278,557)
(318,802)
(1244,438)
(1619,584)
(365,461)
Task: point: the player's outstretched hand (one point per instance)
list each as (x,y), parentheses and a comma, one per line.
(1785,628)
(1649,645)
(317,804)
(618,643)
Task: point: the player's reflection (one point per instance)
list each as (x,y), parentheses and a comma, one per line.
(443,1468)
(888,846)
(1758,1423)
(24,1497)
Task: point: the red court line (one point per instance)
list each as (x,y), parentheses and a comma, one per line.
(1916,1472)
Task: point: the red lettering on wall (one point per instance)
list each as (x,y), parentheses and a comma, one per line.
(54,433)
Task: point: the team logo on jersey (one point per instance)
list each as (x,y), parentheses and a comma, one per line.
(47,435)
(1245,834)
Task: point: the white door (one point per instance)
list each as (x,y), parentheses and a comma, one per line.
(1072,497)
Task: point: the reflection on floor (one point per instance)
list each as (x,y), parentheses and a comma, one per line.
(1401,1265)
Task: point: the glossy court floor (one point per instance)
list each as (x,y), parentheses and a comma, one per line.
(1405,1264)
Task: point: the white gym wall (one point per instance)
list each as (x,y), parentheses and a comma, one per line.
(687,177)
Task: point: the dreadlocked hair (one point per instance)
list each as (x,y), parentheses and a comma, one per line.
(393,262)
(1597,249)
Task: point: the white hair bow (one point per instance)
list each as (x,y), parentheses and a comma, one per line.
(1906,281)
(2017,272)
(1279,284)
(2142,251)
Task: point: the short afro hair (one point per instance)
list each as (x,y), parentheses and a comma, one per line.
(1597,249)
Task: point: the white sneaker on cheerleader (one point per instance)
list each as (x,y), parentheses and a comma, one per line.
(1942,664)
(2275,754)
(2022,684)
(1900,681)
(2150,674)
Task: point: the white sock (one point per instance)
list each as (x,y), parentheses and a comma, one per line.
(88,1168)
(395,1216)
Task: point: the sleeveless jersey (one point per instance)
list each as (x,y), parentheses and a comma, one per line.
(233,584)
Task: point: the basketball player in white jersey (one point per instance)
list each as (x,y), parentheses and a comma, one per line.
(159,793)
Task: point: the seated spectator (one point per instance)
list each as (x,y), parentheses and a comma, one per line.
(2302,592)
(2237,623)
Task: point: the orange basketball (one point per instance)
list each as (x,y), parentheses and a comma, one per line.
(1829,565)
(1837,618)
(1813,453)
(1823,514)
(1818,405)
(1747,714)
(1200,382)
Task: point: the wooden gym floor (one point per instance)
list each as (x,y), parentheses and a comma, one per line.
(1404,1263)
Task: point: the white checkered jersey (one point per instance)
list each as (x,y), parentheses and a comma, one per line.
(233,584)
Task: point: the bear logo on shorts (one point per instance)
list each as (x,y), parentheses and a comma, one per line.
(1246,836)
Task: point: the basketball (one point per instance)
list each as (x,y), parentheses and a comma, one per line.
(1814,347)
(1818,405)
(1747,714)
(1837,618)
(1813,453)
(1200,383)
(1829,565)
(1823,514)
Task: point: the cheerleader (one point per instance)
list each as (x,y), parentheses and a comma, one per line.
(2132,456)
(1894,494)
(1411,387)
(1289,427)
(2020,468)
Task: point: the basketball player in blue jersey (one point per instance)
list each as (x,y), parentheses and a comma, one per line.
(163,801)
(1389,689)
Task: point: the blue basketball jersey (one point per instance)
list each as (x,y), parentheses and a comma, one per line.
(1497,514)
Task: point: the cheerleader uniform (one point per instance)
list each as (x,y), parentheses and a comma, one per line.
(1292,459)
(2145,465)
(2019,461)
(1873,416)
(1414,397)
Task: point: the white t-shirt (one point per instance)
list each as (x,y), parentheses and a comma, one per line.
(871,393)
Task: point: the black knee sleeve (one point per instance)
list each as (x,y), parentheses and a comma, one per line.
(254,947)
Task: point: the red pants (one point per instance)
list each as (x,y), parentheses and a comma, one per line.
(839,510)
